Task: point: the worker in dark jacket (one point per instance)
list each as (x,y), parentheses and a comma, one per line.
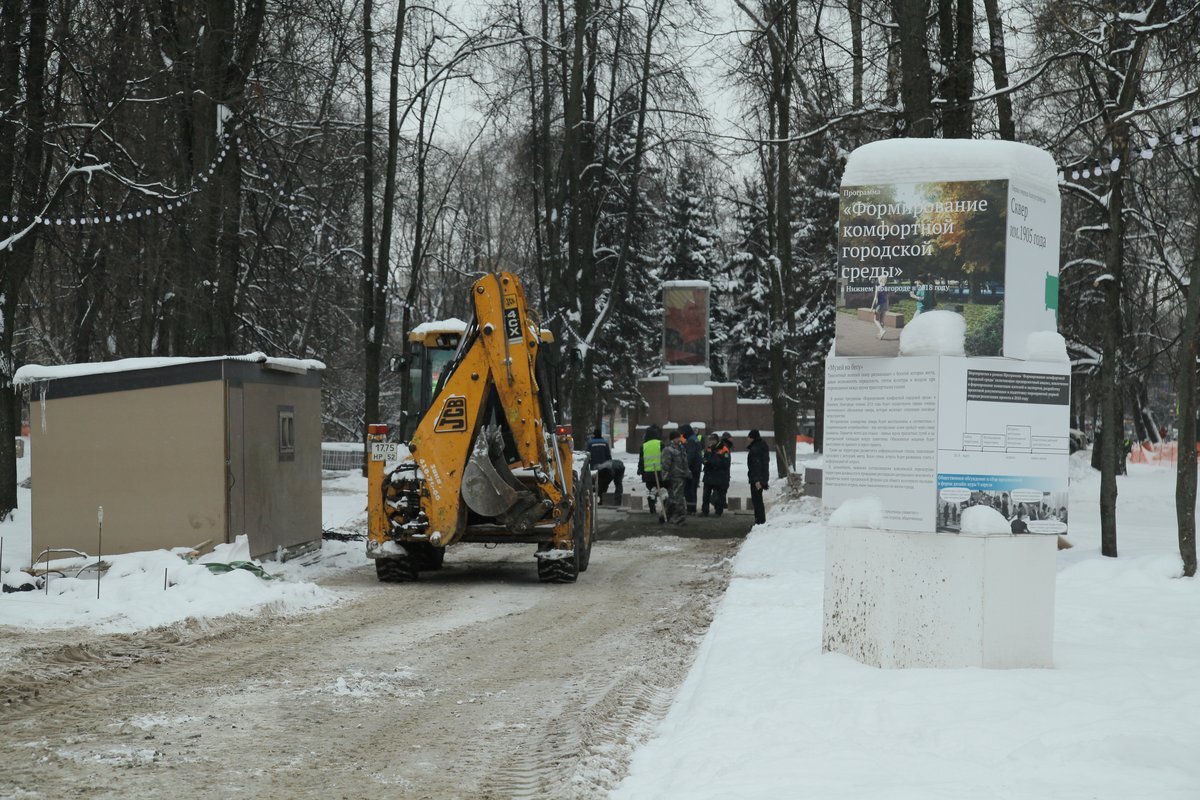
(676,472)
(716,475)
(758,464)
(694,449)
(608,469)
(650,465)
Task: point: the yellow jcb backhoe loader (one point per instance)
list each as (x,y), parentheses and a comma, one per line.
(486,461)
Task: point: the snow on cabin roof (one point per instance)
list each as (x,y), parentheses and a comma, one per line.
(686,285)
(453,324)
(33,373)
(947,160)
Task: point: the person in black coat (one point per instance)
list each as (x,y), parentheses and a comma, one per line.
(695,461)
(758,464)
(716,475)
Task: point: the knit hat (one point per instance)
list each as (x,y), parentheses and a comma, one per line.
(754,434)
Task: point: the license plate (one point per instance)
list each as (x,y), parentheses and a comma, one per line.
(384,451)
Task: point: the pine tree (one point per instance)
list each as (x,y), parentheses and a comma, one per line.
(814,205)
(630,346)
(742,319)
(692,236)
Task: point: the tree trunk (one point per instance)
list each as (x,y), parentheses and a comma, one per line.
(369,289)
(1111,419)
(854,8)
(998,57)
(389,206)
(1127,59)
(27,172)
(783,406)
(580,279)
(916,76)
(1185,476)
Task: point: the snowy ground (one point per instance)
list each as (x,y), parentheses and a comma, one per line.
(765,714)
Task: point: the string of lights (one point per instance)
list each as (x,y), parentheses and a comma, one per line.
(1155,143)
(124,214)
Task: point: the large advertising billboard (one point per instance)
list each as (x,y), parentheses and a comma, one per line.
(685,323)
(908,248)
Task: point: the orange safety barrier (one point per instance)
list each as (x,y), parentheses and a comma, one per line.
(1164,454)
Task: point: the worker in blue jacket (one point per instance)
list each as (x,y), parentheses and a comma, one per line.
(609,470)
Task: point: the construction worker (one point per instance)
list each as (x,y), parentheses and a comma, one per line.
(716,475)
(608,469)
(650,465)
(677,473)
(695,459)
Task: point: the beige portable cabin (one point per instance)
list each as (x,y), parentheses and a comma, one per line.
(177,452)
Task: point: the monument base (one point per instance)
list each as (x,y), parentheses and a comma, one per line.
(898,599)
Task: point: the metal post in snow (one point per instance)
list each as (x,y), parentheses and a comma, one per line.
(99,545)
(164,579)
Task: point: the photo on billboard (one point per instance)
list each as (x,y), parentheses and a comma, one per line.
(908,248)
(685,332)
(1029,505)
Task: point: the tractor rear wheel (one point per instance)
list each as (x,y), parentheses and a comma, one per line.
(425,555)
(398,569)
(558,570)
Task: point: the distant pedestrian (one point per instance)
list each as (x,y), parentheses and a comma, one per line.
(716,475)
(676,472)
(727,440)
(758,464)
(650,465)
(608,469)
(924,295)
(695,459)
(879,305)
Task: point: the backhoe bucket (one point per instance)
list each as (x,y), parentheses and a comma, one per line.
(488,487)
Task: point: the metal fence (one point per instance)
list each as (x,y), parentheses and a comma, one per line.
(341,458)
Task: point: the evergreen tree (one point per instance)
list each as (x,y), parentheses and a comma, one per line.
(630,346)
(691,234)
(742,319)
(815,203)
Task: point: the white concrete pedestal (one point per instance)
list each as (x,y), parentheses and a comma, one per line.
(900,599)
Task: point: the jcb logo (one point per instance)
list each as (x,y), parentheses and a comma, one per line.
(453,418)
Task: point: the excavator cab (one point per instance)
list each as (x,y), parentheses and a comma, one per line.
(430,348)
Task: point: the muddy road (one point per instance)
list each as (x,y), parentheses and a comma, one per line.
(475,682)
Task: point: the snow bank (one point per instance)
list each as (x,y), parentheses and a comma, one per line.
(151,589)
(984,520)
(858,512)
(1046,346)
(934,333)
